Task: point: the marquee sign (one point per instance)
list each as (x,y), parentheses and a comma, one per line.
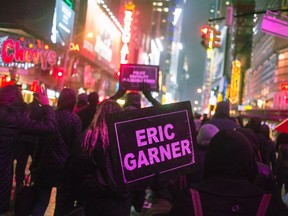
(26,51)
(152,140)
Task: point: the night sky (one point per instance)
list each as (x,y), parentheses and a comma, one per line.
(196,14)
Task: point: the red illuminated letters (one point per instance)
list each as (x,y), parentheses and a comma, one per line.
(12,50)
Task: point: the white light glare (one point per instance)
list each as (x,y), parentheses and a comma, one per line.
(159,45)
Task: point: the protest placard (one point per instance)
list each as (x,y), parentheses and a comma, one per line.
(154,140)
(137,76)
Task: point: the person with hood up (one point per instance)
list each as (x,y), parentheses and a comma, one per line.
(221,119)
(228,188)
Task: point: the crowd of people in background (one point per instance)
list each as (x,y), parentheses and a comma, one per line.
(240,169)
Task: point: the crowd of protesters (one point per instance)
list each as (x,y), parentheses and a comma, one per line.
(239,169)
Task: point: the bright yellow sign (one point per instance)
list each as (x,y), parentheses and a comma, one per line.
(235,81)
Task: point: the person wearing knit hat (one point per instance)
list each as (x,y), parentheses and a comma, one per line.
(205,134)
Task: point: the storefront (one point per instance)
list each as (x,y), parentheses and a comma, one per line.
(27,62)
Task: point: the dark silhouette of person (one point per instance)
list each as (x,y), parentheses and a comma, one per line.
(221,119)
(27,143)
(15,121)
(82,102)
(86,114)
(56,148)
(89,170)
(229,185)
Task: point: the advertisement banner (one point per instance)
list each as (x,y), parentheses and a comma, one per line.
(136,76)
(63,23)
(101,37)
(150,141)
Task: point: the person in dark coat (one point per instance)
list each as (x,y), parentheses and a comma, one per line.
(86,114)
(89,170)
(282,162)
(265,130)
(254,123)
(56,148)
(228,188)
(82,102)
(221,119)
(14,121)
(206,132)
(27,143)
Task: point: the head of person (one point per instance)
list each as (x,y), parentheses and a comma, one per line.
(67,99)
(98,127)
(132,100)
(10,95)
(93,99)
(254,123)
(230,155)
(205,134)
(222,108)
(82,99)
(265,130)
(251,136)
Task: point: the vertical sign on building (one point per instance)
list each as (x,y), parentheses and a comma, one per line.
(126,36)
(235,82)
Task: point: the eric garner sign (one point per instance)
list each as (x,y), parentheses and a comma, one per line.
(152,140)
(134,76)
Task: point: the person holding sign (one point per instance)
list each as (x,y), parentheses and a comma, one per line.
(90,170)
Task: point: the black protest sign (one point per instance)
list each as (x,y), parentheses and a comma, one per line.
(137,76)
(149,141)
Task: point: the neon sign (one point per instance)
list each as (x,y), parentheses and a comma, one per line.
(12,51)
(74,47)
(126,37)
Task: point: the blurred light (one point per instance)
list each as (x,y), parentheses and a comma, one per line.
(46,47)
(196,102)
(177,14)
(89,34)
(199,90)
(159,44)
(180,45)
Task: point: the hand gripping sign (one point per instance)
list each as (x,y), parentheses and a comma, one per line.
(152,140)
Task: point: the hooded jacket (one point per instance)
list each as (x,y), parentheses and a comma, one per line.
(228,188)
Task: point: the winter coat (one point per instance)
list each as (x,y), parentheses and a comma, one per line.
(86,115)
(221,196)
(13,123)
(230,173)
(222,121)
(90,180)
(55,149)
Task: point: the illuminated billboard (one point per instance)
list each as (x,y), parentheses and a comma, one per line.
(63,22)
(101,37)
(25,52)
